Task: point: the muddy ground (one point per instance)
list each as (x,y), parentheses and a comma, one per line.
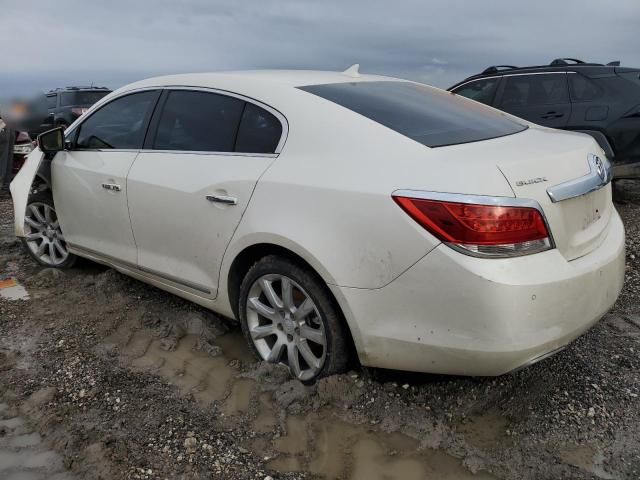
(122,380)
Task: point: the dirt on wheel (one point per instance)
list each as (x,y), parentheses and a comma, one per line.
(121,380)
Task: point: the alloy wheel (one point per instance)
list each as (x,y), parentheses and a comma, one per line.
(285,325)
(43,235)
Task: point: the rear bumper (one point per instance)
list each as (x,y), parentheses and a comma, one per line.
(456,314)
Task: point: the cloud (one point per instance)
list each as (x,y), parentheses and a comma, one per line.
(49,44)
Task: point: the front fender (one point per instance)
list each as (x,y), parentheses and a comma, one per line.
(21,187)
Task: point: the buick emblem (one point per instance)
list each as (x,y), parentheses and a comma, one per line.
(599,167)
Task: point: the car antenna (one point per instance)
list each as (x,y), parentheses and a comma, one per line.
(352,71)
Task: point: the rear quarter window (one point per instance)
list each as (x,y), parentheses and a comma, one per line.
(425,114)
(259,131)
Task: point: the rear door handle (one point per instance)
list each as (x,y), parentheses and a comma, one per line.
(114,187)
(227,200)
(552,115)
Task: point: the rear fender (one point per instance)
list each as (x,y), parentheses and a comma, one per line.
(35,175)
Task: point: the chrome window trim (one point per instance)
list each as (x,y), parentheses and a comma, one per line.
(226,154)
(592,181)
(191,152)
(276,113)
(508,75)
(94,108)
(479,200)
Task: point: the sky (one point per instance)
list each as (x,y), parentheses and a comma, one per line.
(47,44)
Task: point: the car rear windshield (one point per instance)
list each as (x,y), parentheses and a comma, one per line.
(427,115)
(81,98)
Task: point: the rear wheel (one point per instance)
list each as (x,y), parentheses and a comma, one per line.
(288,317)
(43,238)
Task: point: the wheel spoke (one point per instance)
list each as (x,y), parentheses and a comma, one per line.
(313,334)
(267,288)
(293,359)
(33,224)
(304,309)
(262,309)
(287,293)
(41,248)
(262,331)
(33,236)
(47,214)
(36,213)
(276,351)
(59,247)
(308,355)
(52,253)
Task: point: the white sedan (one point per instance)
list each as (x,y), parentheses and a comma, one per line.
(337,213)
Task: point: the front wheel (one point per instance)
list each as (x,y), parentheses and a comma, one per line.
(288,317)
(43,238)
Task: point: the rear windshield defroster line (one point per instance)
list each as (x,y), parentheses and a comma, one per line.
(432,117)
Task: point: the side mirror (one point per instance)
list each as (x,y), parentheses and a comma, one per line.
(51,141)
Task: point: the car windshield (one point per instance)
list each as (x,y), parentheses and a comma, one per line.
(81,97)
(425,114)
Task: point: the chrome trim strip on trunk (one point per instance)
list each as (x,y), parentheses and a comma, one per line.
(81,251)
(600,174)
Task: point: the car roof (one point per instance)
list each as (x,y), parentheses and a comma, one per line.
(254,82)
(78,89)
(588,69)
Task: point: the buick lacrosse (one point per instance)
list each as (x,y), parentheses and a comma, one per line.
(337,213)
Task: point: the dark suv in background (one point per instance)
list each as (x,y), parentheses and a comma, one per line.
(601,100)
(64,105)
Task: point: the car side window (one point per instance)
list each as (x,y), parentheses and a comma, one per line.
(52,101)
(531,90)
(583,89)
(119,124)
(198,121)
(479,90)
(259,131)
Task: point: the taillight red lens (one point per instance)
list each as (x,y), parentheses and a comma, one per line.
(516,230)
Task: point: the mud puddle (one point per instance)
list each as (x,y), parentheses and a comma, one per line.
(317,442)
(329,447)
(189,365)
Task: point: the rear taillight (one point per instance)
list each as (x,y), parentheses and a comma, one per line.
(491,230)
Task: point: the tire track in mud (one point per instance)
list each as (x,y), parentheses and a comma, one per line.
(318,442)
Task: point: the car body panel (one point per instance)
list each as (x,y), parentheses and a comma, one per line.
(473,317)
(175,185)
(91,215)
(20,188)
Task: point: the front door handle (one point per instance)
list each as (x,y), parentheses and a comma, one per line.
(114,187)
(227,200)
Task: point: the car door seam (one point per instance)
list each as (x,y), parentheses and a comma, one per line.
(126,195)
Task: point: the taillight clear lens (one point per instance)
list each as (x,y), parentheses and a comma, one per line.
(482,230)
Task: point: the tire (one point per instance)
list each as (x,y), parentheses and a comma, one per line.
(291,329)
(43,238)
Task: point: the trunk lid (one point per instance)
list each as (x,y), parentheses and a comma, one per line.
(578,225)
